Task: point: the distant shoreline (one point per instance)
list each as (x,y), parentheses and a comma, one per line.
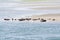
(38,18)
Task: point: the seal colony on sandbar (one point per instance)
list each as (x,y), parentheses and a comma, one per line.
(41,18)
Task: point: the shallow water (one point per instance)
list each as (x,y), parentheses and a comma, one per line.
(29,31)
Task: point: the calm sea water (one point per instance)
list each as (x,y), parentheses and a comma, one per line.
(29,31)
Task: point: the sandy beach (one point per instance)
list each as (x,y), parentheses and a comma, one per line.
(45,8)
(47,17)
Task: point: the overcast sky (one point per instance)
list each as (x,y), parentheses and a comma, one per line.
(18,8)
